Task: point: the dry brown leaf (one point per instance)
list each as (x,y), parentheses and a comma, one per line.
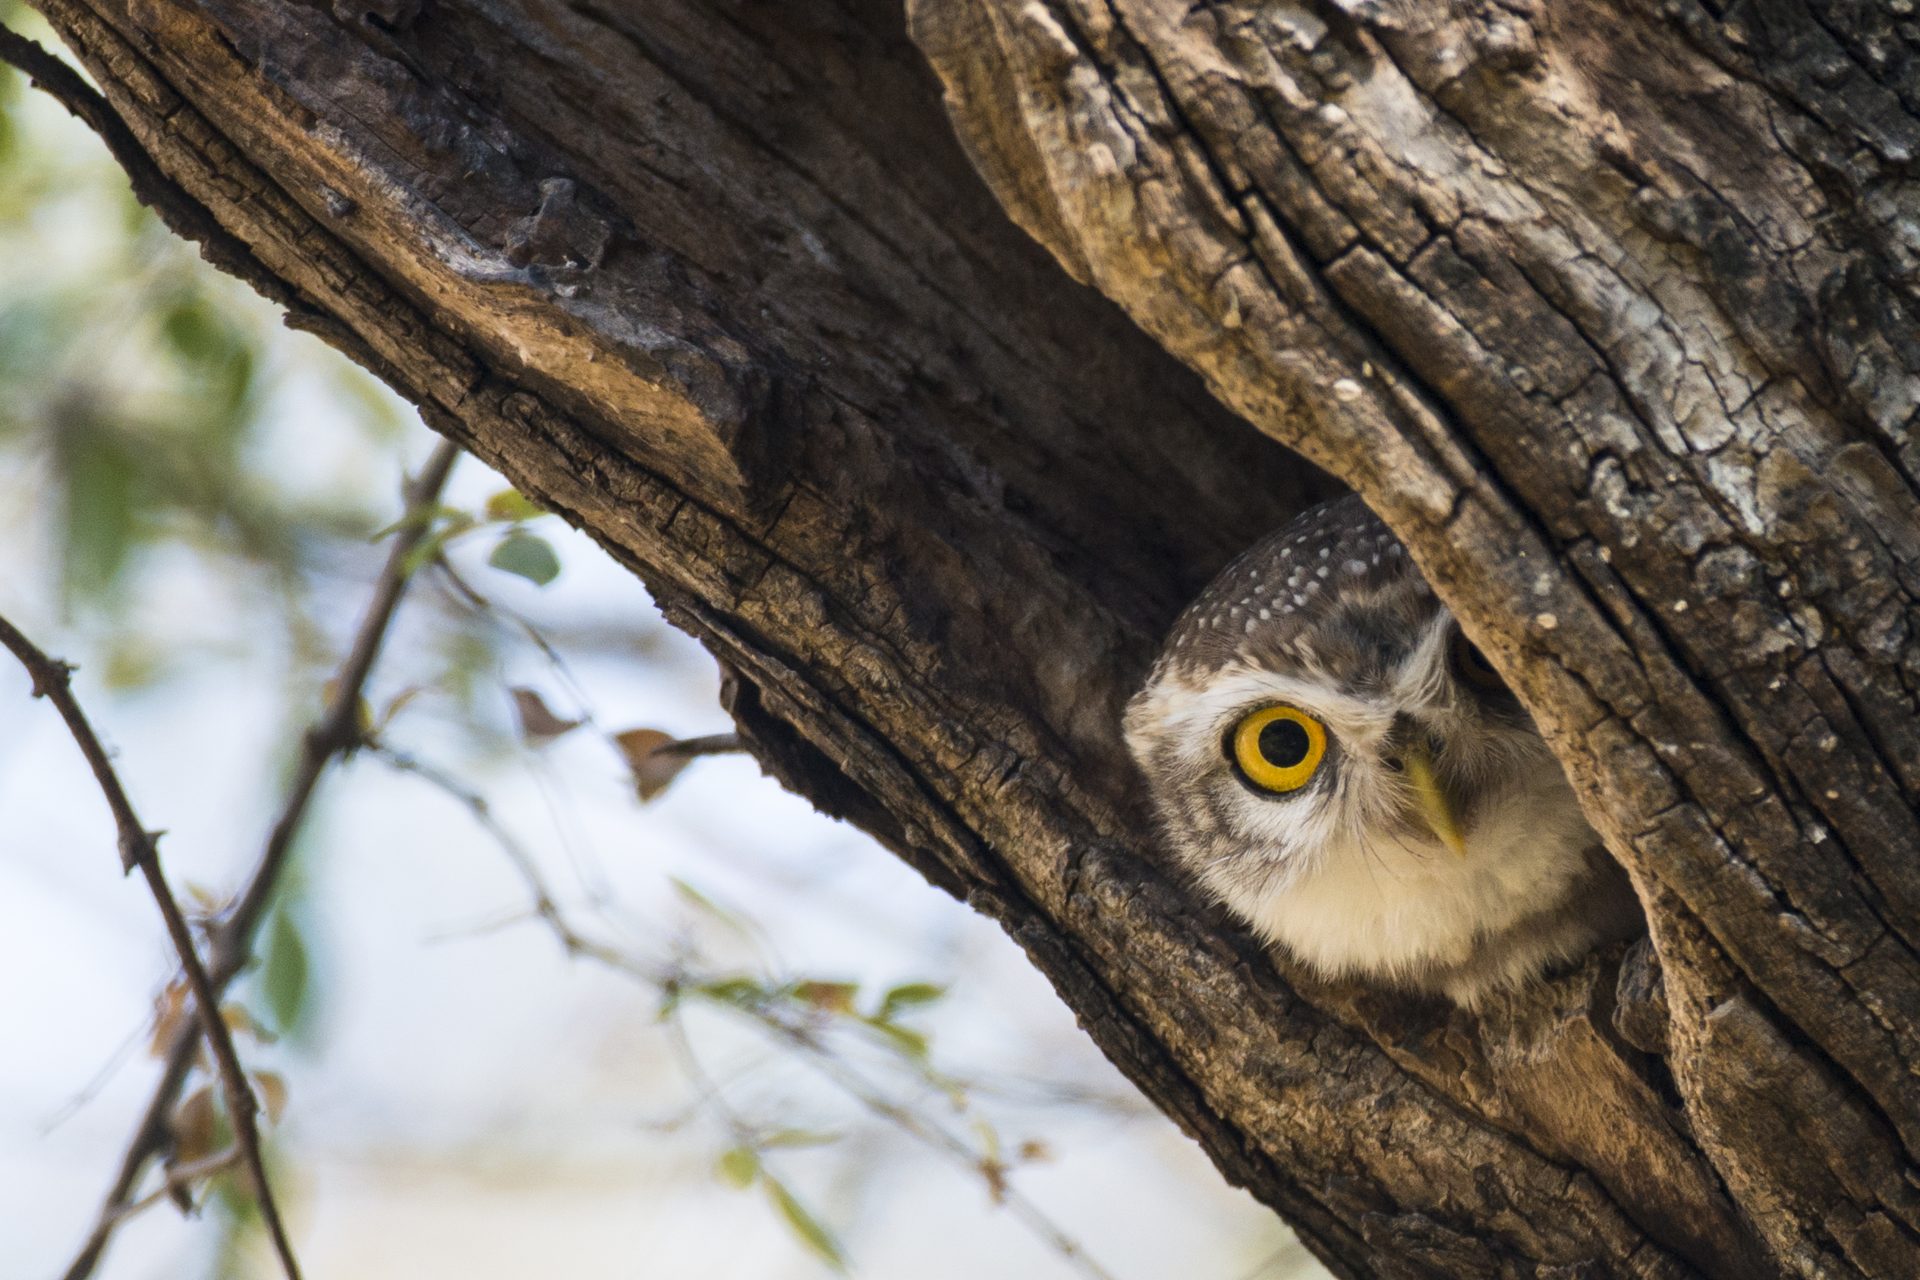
(538,723)
(193,1126)
(395,706)
(647,757)
(271,1086)
(240,1021)
(996,1175)
(169,1007)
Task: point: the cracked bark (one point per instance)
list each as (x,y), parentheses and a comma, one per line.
(1606,307)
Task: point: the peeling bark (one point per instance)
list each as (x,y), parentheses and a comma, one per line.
(1605,307)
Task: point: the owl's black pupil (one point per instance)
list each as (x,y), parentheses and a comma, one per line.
(1284,744)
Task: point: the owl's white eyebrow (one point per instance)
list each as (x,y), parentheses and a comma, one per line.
(1235,688)
(1418,680)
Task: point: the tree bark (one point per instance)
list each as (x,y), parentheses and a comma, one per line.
(1606,306)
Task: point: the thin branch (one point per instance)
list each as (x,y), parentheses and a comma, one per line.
(481,812)
(92,1088)
(714,744)
(335,733)
(181,1179)
(545,907)
(819,1055)
(947,1143)
(484,606)
(52,681)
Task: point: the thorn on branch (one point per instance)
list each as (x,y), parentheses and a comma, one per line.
(58,674)
(137,850)
(135,847)
(332,735)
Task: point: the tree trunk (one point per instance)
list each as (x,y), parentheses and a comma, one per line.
(1606,306)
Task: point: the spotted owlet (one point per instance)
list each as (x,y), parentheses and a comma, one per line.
(1336,762)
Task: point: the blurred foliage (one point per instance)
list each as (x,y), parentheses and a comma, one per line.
(286,973)
(150,442)
(147,444)
(154,431)
(11,88)
(144,401)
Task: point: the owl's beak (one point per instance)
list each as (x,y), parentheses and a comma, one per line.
(1435,809)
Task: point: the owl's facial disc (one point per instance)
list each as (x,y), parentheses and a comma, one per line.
(1276,750)
(1408,750)
(1321,741)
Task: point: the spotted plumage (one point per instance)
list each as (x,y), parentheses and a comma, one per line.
(1338,764)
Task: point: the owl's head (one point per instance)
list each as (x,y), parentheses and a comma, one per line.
(1317,712)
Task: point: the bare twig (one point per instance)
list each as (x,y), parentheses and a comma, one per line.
(51,680)
(485,606)
(797,1037)
(335,733)
(482,813)
(91,1089)
(546,907)
(941,1139)
(182,1178)
(714,744)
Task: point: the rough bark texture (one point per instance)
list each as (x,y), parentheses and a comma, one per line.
(1605,305)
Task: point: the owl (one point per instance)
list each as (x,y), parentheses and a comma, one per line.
(1336,762)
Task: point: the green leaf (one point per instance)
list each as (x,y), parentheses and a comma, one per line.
(440,533)
(216,356)
(286,977)
(376,410)
(526,556)
(512,506)
(701,902)
(420,517)
(907,1040)
(132,663)
(738,1167)
(906,996)
(833,997)
(804,1224)
(798,1138)
(102,497)
(192,330)
(9,91)
(734,991)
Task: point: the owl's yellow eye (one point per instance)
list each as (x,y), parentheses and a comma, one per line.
(1279,749)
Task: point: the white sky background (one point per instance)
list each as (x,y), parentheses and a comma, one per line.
(473,1104)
